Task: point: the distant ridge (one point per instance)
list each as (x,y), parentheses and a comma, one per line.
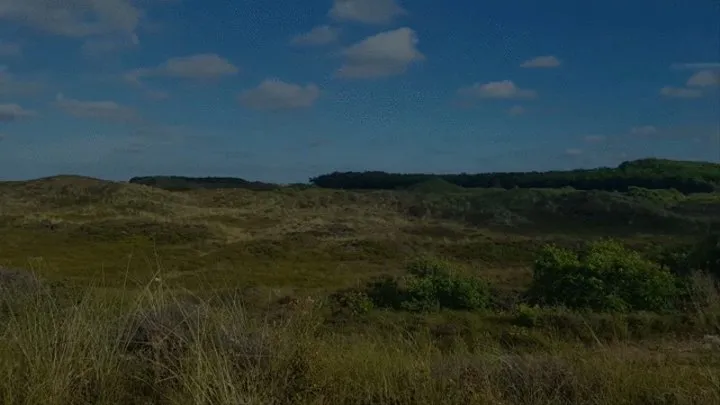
(684,176)
(180,183)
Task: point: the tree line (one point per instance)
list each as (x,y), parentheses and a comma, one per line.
(684,176)
(180,183)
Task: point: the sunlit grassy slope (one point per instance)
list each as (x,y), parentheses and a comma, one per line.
(78,228)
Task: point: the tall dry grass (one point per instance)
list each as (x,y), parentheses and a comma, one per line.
(156,346)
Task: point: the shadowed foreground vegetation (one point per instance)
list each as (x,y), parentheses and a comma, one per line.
(124,293)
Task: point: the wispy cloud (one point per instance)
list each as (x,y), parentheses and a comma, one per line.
(367,11)
(517,110)
(705,78)
(321,35)
(14,112)
(644,130)
(100,110)
(542,62)
(74,18)
(276,95)
(680,92)
(104,45)
(594,138)
(505,89)
(701,65)
(198,67)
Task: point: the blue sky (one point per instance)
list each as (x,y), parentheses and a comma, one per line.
(284,90)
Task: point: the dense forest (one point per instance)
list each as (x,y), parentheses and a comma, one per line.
(684,176)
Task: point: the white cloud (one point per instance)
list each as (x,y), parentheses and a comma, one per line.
(644,130)
(542,62)
(102,110)
(705,78)
(275,95)
(9,49)
(388,53)
(594,138)
(321,35)
(200,66)
(73,18)
(680,92)
(505,89)
(573,151)
(516,110)
(367,11)
(14,112)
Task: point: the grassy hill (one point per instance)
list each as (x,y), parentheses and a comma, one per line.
(289,229)
(240,296)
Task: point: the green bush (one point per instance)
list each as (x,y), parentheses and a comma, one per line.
(429,286)
(605,277)
(351,303)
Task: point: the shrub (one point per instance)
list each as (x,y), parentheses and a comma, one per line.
(605,277)
(351,302)
(430,285)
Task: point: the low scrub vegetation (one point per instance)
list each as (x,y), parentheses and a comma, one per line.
(431,295)
(429,285)
(604,277)
(163,347)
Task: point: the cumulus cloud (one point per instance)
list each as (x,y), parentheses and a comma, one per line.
(505,89)
(200,66)
(542,62)
(644,130)
(388,53)
(680,92)
(321,35)
(73,18)
(516,110)
(9,49)
(100,110)
(705,78)
(276,95)
(14,112)
(367,11)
